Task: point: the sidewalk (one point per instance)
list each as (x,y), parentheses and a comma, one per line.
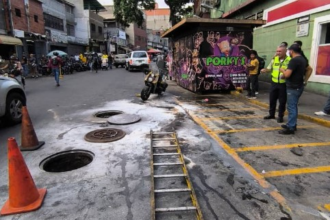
(308,104)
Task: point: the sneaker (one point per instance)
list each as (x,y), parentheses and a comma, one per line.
(269,117)
(286,132)
(257,93)
(57,84)
(286,127)
(252,97)
(321,113)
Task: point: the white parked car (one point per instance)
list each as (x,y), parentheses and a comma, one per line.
(137,60)
(12,98)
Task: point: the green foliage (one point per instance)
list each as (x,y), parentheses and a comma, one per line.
(177,10)
(130,11)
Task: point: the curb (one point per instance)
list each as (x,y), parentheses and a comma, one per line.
(309,118)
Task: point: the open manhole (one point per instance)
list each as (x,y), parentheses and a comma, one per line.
(67,161)
(124,119)
(105,135)
(107,114)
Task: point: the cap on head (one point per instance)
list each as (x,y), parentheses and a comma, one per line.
(295,48)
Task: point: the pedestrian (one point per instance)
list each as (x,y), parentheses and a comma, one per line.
(55,63)
(294,76)
(278,86)
(95,61)
(260,67)
(309,69)
(110,60)
(252,66)
(33,66)
(25,67)
(326,109)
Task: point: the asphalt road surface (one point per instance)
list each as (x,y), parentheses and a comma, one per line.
(229,177)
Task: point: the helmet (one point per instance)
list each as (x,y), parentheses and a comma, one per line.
(55,54)
(13,57)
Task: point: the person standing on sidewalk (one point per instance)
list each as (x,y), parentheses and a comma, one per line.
(278,86)
(261,66)
(55,64)
(253,67)
(24,63)
(326,110)
(294,76)
(33,66)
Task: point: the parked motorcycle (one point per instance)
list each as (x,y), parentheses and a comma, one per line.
(155,82)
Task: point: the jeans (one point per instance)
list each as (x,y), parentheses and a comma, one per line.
(25,69)
(56,73)
(327,106)
(251,85)
(293,96)
(110,65)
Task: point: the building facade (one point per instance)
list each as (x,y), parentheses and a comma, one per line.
(137,36)
(28,24)
(287,21)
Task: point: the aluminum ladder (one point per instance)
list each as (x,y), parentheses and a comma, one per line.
(165,147)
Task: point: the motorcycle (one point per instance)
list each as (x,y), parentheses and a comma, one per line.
(14,73)
(155,82)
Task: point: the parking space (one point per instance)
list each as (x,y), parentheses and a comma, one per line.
(297,165)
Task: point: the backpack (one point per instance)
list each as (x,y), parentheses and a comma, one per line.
(261,63)
(55,61)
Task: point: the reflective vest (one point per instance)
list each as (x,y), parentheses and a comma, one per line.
(277,64)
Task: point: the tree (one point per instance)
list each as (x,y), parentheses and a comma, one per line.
(130,11)
(178,10)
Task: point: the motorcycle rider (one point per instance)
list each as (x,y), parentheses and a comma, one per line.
(14,69)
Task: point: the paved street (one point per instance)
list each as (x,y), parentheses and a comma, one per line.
(241,168)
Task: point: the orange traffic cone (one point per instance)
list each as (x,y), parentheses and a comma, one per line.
(23,194)
(29,139)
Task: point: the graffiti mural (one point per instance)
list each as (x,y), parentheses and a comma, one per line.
(211,60)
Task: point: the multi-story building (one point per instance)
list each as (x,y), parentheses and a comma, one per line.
(287,20)
(3,28)
(114,32)
(88,24)
(137,36)
(25,20)
(157,20)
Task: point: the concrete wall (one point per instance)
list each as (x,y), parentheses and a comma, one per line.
(57,9)
(158,22)
(266,39)
(98,21)
(82,27)
(130,31)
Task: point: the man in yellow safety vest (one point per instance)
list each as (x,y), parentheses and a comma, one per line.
(278,86)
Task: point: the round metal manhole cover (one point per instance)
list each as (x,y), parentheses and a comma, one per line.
(67,161)
(124,119)
(105,135)
(107,114)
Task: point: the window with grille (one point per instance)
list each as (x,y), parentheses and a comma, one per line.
(17,12)
(70,29)
(53,22)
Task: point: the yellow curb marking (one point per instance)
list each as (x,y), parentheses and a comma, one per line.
(232,118)
(259,129)
(275,147)
(298,171)
(259,178)
(223,110)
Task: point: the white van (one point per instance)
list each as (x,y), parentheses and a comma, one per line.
(137,60)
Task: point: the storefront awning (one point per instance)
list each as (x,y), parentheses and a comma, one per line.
(10,40)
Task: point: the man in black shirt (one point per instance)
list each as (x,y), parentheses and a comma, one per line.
(294,76)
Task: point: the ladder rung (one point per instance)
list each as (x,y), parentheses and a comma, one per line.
(170,175)
(160,146)
(171,190)
(167,164)
(188,208)
(166,154)
(162,139)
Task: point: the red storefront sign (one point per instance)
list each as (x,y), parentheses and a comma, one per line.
(295,7)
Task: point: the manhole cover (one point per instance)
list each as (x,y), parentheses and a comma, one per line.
(105,135)
(67,161)
(124,119)
(106,114)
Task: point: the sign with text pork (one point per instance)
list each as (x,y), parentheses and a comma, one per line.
(211,60)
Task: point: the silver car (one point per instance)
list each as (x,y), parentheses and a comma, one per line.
(12,98)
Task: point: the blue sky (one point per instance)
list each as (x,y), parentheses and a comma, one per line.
(161,3)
